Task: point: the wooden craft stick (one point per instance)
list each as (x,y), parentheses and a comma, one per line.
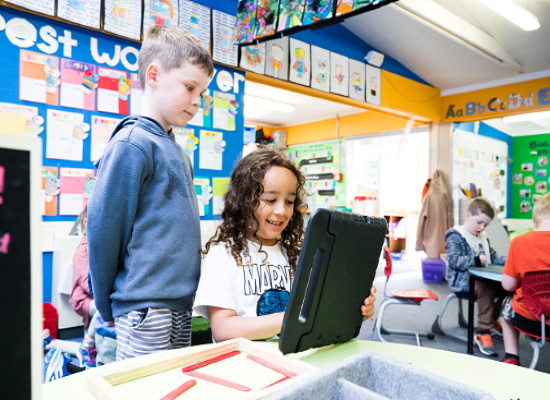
(271,365)
(219,381)
(285,378)
(180,390)
(204,363)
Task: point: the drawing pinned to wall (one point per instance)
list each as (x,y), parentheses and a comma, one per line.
(112,92)
(517,179)
(253,58)
(81,12)
(136,94)
(209,158)
(60,142)
(540,173)
(160,12)
(50,190)
(102,129)
(320,64)
(204,194)
(76,91)
(541,187)
(339,74)
(529,180)
(357,4)
(20,120)
(373,85)
(246,21)
(187,140)
(277,62)
(39,78)
(317,10)
(291,14)
(203,117)
(123,17)
(357,80)
(42,6)
(223,49)
(266,18)
(76,187)
(196,18)
(225,109)
(300,62)
(344,7)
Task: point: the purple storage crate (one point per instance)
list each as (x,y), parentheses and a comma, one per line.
(433,269)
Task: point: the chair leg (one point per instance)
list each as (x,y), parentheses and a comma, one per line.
(437,326)
(535,344)
(461,320)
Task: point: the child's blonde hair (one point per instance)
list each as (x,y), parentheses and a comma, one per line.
(481,206)
(172,47)
(542,208)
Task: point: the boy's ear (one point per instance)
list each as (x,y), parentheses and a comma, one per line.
(152,75)
(535,225)
(468,214)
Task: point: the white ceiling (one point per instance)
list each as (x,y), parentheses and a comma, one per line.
(536,127)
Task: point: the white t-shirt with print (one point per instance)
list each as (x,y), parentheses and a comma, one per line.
(254,289)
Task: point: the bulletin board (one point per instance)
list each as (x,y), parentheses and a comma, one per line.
(530,173)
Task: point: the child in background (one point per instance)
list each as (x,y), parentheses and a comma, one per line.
(143,216)
(467,246)
(250,261)
(528,252)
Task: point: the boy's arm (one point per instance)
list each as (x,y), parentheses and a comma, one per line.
(508,283)
(111,212)
(456,254)
(496,258)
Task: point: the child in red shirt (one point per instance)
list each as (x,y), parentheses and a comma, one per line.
(528,252)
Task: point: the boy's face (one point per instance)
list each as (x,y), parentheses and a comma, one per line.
(475,224)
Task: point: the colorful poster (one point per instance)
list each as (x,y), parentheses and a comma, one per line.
(61,141)
(300,67)
(339,74)
(123,17)
(136,94)
(16,119)
(196,19)
(81,12)
(357,80)
(266,18)
(277,61)
(112,92)
(74,76)
(373,85)
(102,129)
(291,13)
(253,58)
(76,188)
(203,117)
(320,64)
(50,190)
(42,6)
(186,139)
(246,19)
(317,10)
(39,78)
(343,7)
(223,49)
(209,158)
(160,12)
(225,109)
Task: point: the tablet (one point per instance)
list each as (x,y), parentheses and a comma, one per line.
(334,275)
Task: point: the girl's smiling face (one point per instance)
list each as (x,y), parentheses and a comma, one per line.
(276,205)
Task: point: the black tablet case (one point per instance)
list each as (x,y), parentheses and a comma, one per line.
(335,271)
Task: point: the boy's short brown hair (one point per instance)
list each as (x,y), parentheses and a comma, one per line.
(541,210)
(172,47)
(481,206)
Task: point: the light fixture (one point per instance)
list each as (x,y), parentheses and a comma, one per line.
(374,58)
(251,112)
(527,117)
(261,102)
(514,13)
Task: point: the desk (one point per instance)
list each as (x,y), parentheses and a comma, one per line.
(504,381)
(489,273)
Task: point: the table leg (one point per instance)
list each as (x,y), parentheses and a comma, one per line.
(471,301)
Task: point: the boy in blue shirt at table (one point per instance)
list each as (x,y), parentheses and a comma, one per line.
(468,246)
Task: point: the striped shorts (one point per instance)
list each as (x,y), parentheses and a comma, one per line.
(150,330)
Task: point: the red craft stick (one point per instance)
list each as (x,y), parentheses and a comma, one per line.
(279,381)
(180,390)
(204,363)
(217,380)
(273,366)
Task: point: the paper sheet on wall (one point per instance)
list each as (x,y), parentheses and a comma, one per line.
(136,95)
(60,142)
(339,74)
(50,190)
(196,19)
(107,101)
(12,125)
(102,128)
(73,92)
(357,80)
(160,12)
(223,49)
(203,117)
(320,66)
(75,190)
(47,232)
(373,85)
(123,18)
(219,188)
(300,65)
(204,193)
(253,58)
(39,77)
(185,138)
(209,158)
(225,109)
(277,59)
(42,6)
(82,12)
(112,95)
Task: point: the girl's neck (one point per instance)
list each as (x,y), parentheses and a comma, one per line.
(265,242)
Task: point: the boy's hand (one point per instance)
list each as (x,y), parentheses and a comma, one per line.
(112,323)
(367,309)
(483,259)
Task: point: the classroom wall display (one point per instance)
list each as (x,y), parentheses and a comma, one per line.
(42,6)
(373,85)
(76,188)
(50,190)
(223,49)
(185,137)
(253,58)
(344,7)
(339,74)
(136,94)
(357,80)
(203,117)
(102,128)
(277,61)
(112,93)
(160,12)
(82,12)
(77,84)
(320,66)
(203,189)
(39,78)
(62,141)
(300,66)
(225,109)
(210,153)
(246,20)
(123,17)
(291,14)
(196,18)
(317,10)
(20,120)
(266,18)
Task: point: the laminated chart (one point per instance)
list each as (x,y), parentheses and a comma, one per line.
(39,78)
(196,19)
(81,12)
(102,129)
(16,119)
(291,14)
(112,92)
(223,49)
(225,109)
(136,94)
(317,10)
(300,66)
(253,58)
(246,20)
(339,76)
(76,188)
(78,82)
(357,80)
(61,141)
(123,17)
(266,18)
(50,190)
(320,65)
(277,61)
(209,158)
(373,85)
(42,6)
(160,12)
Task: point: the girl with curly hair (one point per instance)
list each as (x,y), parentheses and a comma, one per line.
(250,261)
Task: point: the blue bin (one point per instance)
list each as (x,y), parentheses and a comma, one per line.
(433,270)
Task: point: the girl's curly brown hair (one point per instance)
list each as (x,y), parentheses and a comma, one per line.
(243,197)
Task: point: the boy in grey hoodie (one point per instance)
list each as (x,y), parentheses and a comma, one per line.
(143,217)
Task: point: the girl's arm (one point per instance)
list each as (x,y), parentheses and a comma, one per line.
(226,325)
(509,283)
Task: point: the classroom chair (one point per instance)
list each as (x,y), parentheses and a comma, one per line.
(437,326)
(413,297)
(536,293)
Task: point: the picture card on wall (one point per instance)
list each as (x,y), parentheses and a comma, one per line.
(373,85)
(39,78)
(76,187)
(123,17)
(16,119)
(339,74)
(81,12)
(220,186)
(223,49)
(209,157)
(225,109)
(357,80)
(102,129)
(300,67)
(73,93)
(136,94)
(61,142)
(203,189)
(253,58)
(110,96)
(185,137)
(246,21)
(291,14)
(196,19)
(160,12)
(277,61)
(317,10)
(50,190)
(320,66)
(203,117)
(343,7)
(266,18)
(42,6)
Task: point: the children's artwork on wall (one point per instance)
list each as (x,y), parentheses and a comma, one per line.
(343,7)
(225,109)
(220,187)
(317,10)
(300,66)
(253,58)
(291,14)
(517,179)
(542,161)
(112,92)
(320,65)
(527,167)
(541,187)
(529,180)
(160,12)
(357,80)
(357,4)
(373,85)
(39,78)
(204,194)
(209,158)
(203,117)
(74,76)
(42,6)
(123,17)
(102,129)
(185,137)
(540,173)
(525,193)
(81,12)
(50,190)
(266,18)
(223,49)
(76,187)
(246,21)
(60,141)
(196,18)
(20,120)
(136,94)
(339,74)
(277,61)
